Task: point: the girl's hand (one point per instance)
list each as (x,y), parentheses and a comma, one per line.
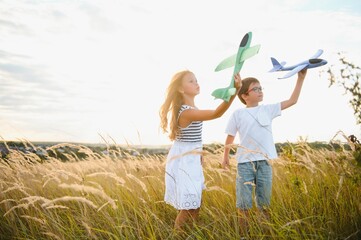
(237,81)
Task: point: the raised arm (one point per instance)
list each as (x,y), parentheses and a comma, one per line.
(204,115)
(296,92)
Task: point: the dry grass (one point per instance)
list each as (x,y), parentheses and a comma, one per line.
(316,195)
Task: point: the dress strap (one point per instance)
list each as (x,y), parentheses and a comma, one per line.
(183,107)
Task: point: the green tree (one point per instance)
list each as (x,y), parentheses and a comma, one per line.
(347,75)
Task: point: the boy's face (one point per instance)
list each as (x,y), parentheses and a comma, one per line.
(254,94)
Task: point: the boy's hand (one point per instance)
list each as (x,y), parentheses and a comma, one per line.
(302,74)
(237,81)
(225,163)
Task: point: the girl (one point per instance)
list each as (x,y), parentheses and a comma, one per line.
(184,178)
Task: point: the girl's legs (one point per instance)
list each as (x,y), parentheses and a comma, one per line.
(184,216)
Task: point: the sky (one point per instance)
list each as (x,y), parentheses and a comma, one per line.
(95,71)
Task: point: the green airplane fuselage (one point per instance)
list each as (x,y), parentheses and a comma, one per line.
(244,52)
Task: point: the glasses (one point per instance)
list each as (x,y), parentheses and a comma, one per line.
(255,89)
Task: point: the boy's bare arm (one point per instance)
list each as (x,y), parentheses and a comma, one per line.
(228,142)
(296,92)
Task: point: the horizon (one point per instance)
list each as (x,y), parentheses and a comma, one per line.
(337,139)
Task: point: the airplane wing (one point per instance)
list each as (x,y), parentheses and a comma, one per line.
(249,52)
(226,63)
(317,54)
(230,61)
(294,71)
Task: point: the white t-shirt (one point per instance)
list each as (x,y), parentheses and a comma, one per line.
(254,127)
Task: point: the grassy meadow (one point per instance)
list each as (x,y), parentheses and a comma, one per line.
(316,195)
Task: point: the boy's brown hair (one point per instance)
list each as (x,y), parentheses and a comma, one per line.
(245,85)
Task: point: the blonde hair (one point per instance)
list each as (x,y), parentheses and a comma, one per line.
(172,105)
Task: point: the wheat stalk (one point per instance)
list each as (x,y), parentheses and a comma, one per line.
(91,190)
(68,199)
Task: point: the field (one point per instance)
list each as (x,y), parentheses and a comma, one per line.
(316,195)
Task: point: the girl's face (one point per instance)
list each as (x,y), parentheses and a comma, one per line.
(190,85)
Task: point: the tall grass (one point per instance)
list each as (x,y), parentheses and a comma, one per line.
(316,195)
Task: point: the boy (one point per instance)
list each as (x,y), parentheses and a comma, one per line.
(254,126)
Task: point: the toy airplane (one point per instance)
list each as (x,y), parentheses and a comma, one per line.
(313,62)
(237,60)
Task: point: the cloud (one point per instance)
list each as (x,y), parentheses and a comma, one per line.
(26,87)
(13,27)
(104,65)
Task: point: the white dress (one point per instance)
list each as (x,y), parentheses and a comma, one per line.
(184,179)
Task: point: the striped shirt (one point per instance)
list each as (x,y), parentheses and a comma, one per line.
(191,133)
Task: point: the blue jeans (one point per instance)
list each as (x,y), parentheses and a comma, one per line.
(250,174)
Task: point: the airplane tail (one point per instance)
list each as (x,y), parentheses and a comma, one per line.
(276,65)
(224,93)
